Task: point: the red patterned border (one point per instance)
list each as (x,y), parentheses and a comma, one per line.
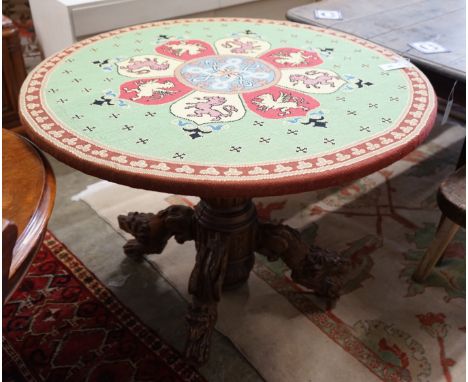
(332,326)
(254,180)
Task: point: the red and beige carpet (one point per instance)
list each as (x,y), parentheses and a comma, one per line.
(62,324)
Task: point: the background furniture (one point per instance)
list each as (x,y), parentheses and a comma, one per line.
(9,236)
(227,116)
(394,24)
(451,199)
(77,19)
(28,196)
(13,73)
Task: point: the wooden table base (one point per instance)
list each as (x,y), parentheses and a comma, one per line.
(227,233)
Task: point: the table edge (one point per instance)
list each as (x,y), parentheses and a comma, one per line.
(225,187)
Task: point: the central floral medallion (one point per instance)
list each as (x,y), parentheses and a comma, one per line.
(212,85)
(228,74)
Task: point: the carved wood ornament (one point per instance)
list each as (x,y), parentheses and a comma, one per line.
(227,233)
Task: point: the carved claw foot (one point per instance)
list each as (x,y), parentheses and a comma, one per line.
(321,272)
(312,267)
(201,320)
(152,232)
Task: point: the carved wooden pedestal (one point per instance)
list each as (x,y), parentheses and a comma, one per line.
(226,234)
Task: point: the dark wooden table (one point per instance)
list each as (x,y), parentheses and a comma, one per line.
(394,24)
(28,197)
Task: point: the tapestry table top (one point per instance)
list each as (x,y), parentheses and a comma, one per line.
(239,107)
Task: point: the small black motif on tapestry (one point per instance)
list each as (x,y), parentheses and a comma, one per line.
(114,115)
(326,50)
(141,140)
(103,100)
(264,140)
(89,128)
(128,127)
(294,132)
(326,140)
(101,63)
(178,156)
(316,122)
(196,133)
(237,149)
(360,83)
(78,116)
(258,123)
(301,149)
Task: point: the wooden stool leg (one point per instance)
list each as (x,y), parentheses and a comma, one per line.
(445,233)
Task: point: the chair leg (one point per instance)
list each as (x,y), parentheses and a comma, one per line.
(445,233)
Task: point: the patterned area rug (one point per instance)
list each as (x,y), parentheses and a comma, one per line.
(62,324)
(385,326)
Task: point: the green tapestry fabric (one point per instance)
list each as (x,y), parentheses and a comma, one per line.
(226,100)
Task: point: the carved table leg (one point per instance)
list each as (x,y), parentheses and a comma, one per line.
(152,231)
(225,241)
(315,268)
(226,234)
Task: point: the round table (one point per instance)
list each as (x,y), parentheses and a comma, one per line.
(227,109)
